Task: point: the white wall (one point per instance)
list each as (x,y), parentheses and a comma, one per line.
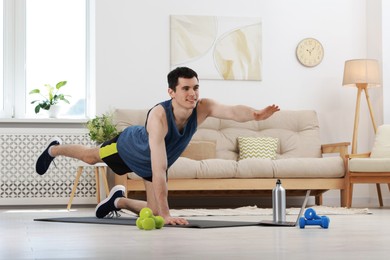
(132,58)
(386,59)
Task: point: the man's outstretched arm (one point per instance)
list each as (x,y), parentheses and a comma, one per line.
(239,113)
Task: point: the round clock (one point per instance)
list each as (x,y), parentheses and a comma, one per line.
(309,52)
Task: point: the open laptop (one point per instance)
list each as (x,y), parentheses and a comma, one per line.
(287,223)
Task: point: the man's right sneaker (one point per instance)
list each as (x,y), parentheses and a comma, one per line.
(44,160)
(108,204)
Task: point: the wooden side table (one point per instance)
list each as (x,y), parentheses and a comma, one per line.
(98,168)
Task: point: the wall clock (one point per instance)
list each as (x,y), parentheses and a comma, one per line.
(309,52)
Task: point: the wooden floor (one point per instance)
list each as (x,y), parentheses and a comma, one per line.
(348,237)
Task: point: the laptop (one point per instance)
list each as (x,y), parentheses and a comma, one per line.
(287,223)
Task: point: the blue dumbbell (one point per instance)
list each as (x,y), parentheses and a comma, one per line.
(311,214)
(312,219)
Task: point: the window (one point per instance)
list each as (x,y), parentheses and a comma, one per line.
(51,44)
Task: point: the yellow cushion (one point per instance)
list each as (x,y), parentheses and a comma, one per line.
(200,150)
(257,147)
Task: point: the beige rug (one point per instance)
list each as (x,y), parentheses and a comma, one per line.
(255,211)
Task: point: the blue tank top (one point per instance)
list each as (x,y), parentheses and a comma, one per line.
(133,142)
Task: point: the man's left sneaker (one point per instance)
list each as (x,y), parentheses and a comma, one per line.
(44,160)
(107,205)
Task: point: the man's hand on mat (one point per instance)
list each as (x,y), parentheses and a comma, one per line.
(175,221)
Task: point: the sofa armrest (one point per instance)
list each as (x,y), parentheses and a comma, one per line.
(341,148)
(357,155)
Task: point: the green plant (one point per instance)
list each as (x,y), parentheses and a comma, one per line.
(102,128)
(52,97)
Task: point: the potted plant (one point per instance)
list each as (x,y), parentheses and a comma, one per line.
(102,128)
(51,98)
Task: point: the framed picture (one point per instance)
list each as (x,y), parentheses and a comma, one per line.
(227,48)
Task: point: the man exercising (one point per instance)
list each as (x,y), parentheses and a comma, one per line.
(151,149)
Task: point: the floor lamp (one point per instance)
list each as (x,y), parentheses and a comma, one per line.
(362,73)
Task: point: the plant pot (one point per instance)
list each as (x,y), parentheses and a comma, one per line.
(54,111)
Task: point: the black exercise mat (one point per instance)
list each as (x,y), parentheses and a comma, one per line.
(193,223)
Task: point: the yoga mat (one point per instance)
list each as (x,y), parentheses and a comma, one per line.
(193,223)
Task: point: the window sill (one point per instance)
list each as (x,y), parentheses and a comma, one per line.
(44,120)
(43,123)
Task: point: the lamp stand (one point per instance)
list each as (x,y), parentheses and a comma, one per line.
(361,87)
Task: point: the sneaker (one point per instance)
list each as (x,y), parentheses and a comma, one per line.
(107,205)
(44,160)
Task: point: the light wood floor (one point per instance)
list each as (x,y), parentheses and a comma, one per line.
(348,237)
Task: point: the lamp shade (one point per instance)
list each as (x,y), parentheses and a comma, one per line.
(362,71)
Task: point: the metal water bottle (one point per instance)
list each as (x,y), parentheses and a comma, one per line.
(279,202)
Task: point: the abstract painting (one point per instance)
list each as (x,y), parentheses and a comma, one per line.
(227,48)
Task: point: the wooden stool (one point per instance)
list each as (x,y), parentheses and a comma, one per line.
(98,167)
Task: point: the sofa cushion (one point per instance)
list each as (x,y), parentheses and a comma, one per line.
(185,168)
(128,117)
(297,131)
(200,150)
(217,168)
(257,147)
(369,165)
(205,169)
(381,147)
(327,167)
(255,168)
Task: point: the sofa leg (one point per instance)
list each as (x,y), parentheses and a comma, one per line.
(349,193)
(318,199)
(378,190)
(343,198)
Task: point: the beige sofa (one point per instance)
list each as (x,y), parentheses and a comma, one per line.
(212,165)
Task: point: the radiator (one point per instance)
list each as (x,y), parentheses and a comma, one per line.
(21,185)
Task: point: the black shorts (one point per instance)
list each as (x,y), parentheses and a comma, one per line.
(109,154)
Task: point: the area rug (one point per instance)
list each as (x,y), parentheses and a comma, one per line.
(256,211)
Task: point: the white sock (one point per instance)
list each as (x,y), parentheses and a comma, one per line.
(116,203)
(49,151)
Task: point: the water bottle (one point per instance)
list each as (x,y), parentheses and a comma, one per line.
(279,202)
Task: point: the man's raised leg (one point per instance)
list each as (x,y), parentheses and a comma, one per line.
(45,159)
(55,148)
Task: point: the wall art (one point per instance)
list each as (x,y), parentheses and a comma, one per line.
(227,48)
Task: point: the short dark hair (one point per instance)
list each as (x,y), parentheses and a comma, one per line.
(180,72)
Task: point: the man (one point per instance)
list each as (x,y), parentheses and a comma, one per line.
(151,149)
